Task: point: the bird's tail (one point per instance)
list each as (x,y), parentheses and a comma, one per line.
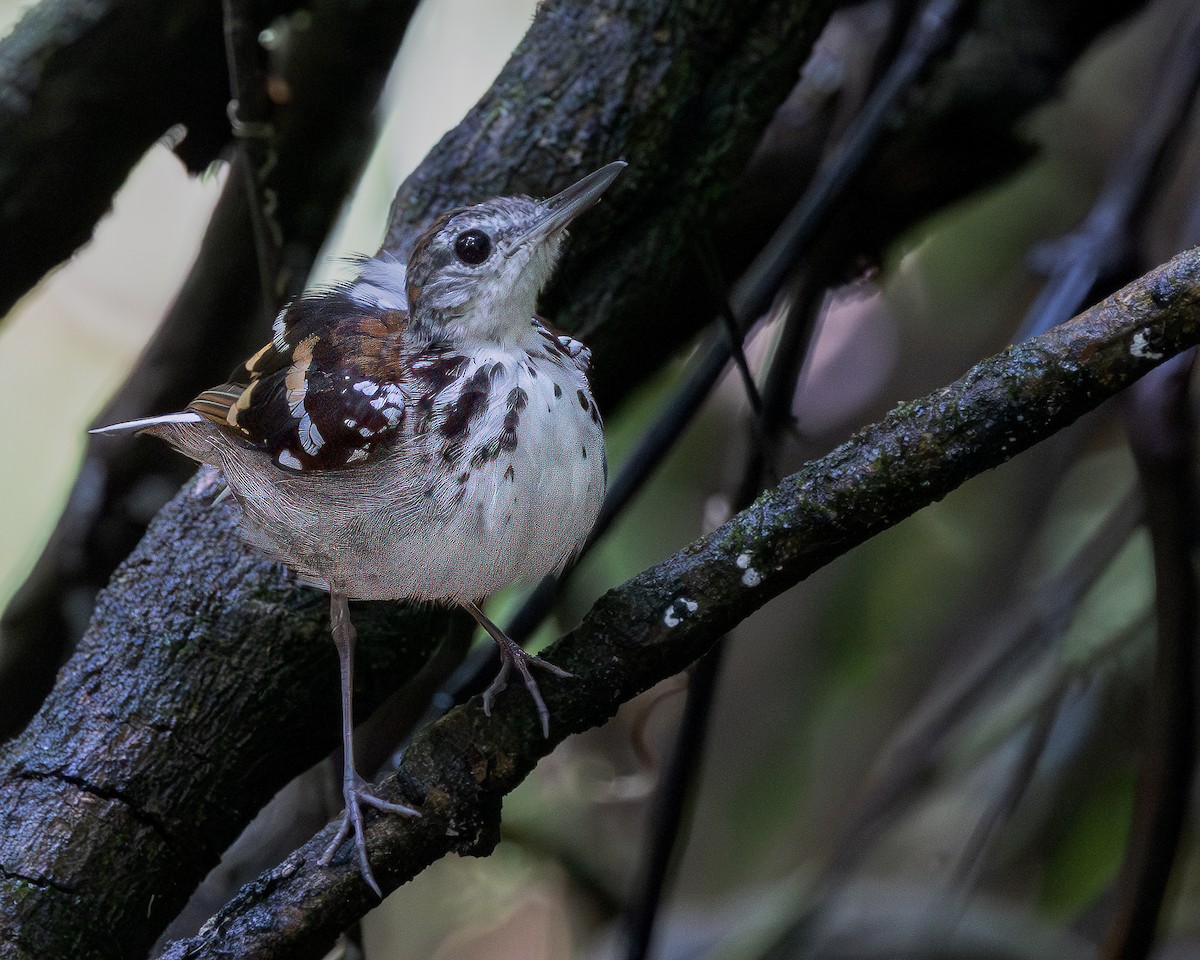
(187,416)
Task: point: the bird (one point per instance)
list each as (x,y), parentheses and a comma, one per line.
(416,433)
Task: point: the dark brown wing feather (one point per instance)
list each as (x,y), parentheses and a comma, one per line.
(324,391)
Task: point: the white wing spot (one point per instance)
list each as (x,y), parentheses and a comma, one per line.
(367,388)
(310,436)
(290,460)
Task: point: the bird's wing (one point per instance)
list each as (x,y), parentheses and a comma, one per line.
(324,392)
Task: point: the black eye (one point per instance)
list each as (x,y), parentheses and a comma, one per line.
(473,247)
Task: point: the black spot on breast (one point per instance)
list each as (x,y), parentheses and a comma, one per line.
(441,370)
(518,399)
(532,370)
(583,450)
(557,391)
(485,452)
(509,475)
(583,398)
(424,413)
(464,476)
(595,412)
(428,491)
(470,403)
(459,495)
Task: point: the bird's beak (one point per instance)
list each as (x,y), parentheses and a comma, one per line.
(562,208)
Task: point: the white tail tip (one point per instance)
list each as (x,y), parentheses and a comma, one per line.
(186,417)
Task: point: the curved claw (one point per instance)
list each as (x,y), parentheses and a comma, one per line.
(512,655)
(357,794)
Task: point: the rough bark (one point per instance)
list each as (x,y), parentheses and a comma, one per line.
(85,90)
(322,136)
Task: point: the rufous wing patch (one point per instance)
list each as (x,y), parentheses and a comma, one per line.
(324,392)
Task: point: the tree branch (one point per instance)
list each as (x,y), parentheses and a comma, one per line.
(658,622)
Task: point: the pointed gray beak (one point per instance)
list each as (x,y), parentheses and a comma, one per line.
(562,208)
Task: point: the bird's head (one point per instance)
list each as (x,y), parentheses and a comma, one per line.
(477,271)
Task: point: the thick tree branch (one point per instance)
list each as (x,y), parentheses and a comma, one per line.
(321,137)
(665,618)
(85,90)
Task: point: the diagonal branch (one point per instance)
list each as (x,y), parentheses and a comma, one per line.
(668,616)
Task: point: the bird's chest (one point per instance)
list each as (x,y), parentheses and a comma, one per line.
(513,463)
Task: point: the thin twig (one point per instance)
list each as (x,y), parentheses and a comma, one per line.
(673,803)
(1161,434)
(250,119)
(1019,631)
(1101,245)
(671,816)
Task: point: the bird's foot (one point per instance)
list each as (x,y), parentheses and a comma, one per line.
(358,793)
(512,655)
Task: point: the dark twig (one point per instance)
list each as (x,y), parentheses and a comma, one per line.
(1018,633)
(1101,246)
(670,813)
(751,297)
(1161,434)
(462,765)
(250,118)
(670,818)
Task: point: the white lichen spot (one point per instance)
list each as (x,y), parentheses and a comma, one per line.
(1140,347)
(751,578)
(674,614)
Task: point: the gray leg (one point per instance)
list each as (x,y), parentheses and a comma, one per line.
(512,655)
(356,792)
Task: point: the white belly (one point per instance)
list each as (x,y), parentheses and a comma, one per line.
(431,533)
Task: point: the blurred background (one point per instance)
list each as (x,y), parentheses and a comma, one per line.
(929,749)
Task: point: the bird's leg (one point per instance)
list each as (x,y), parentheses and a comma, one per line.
(512,655)
(356,791)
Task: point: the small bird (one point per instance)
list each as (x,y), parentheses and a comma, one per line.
(416,434)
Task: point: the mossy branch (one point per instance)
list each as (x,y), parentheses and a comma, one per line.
(655,624)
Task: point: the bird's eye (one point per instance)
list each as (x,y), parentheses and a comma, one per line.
(473,247)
